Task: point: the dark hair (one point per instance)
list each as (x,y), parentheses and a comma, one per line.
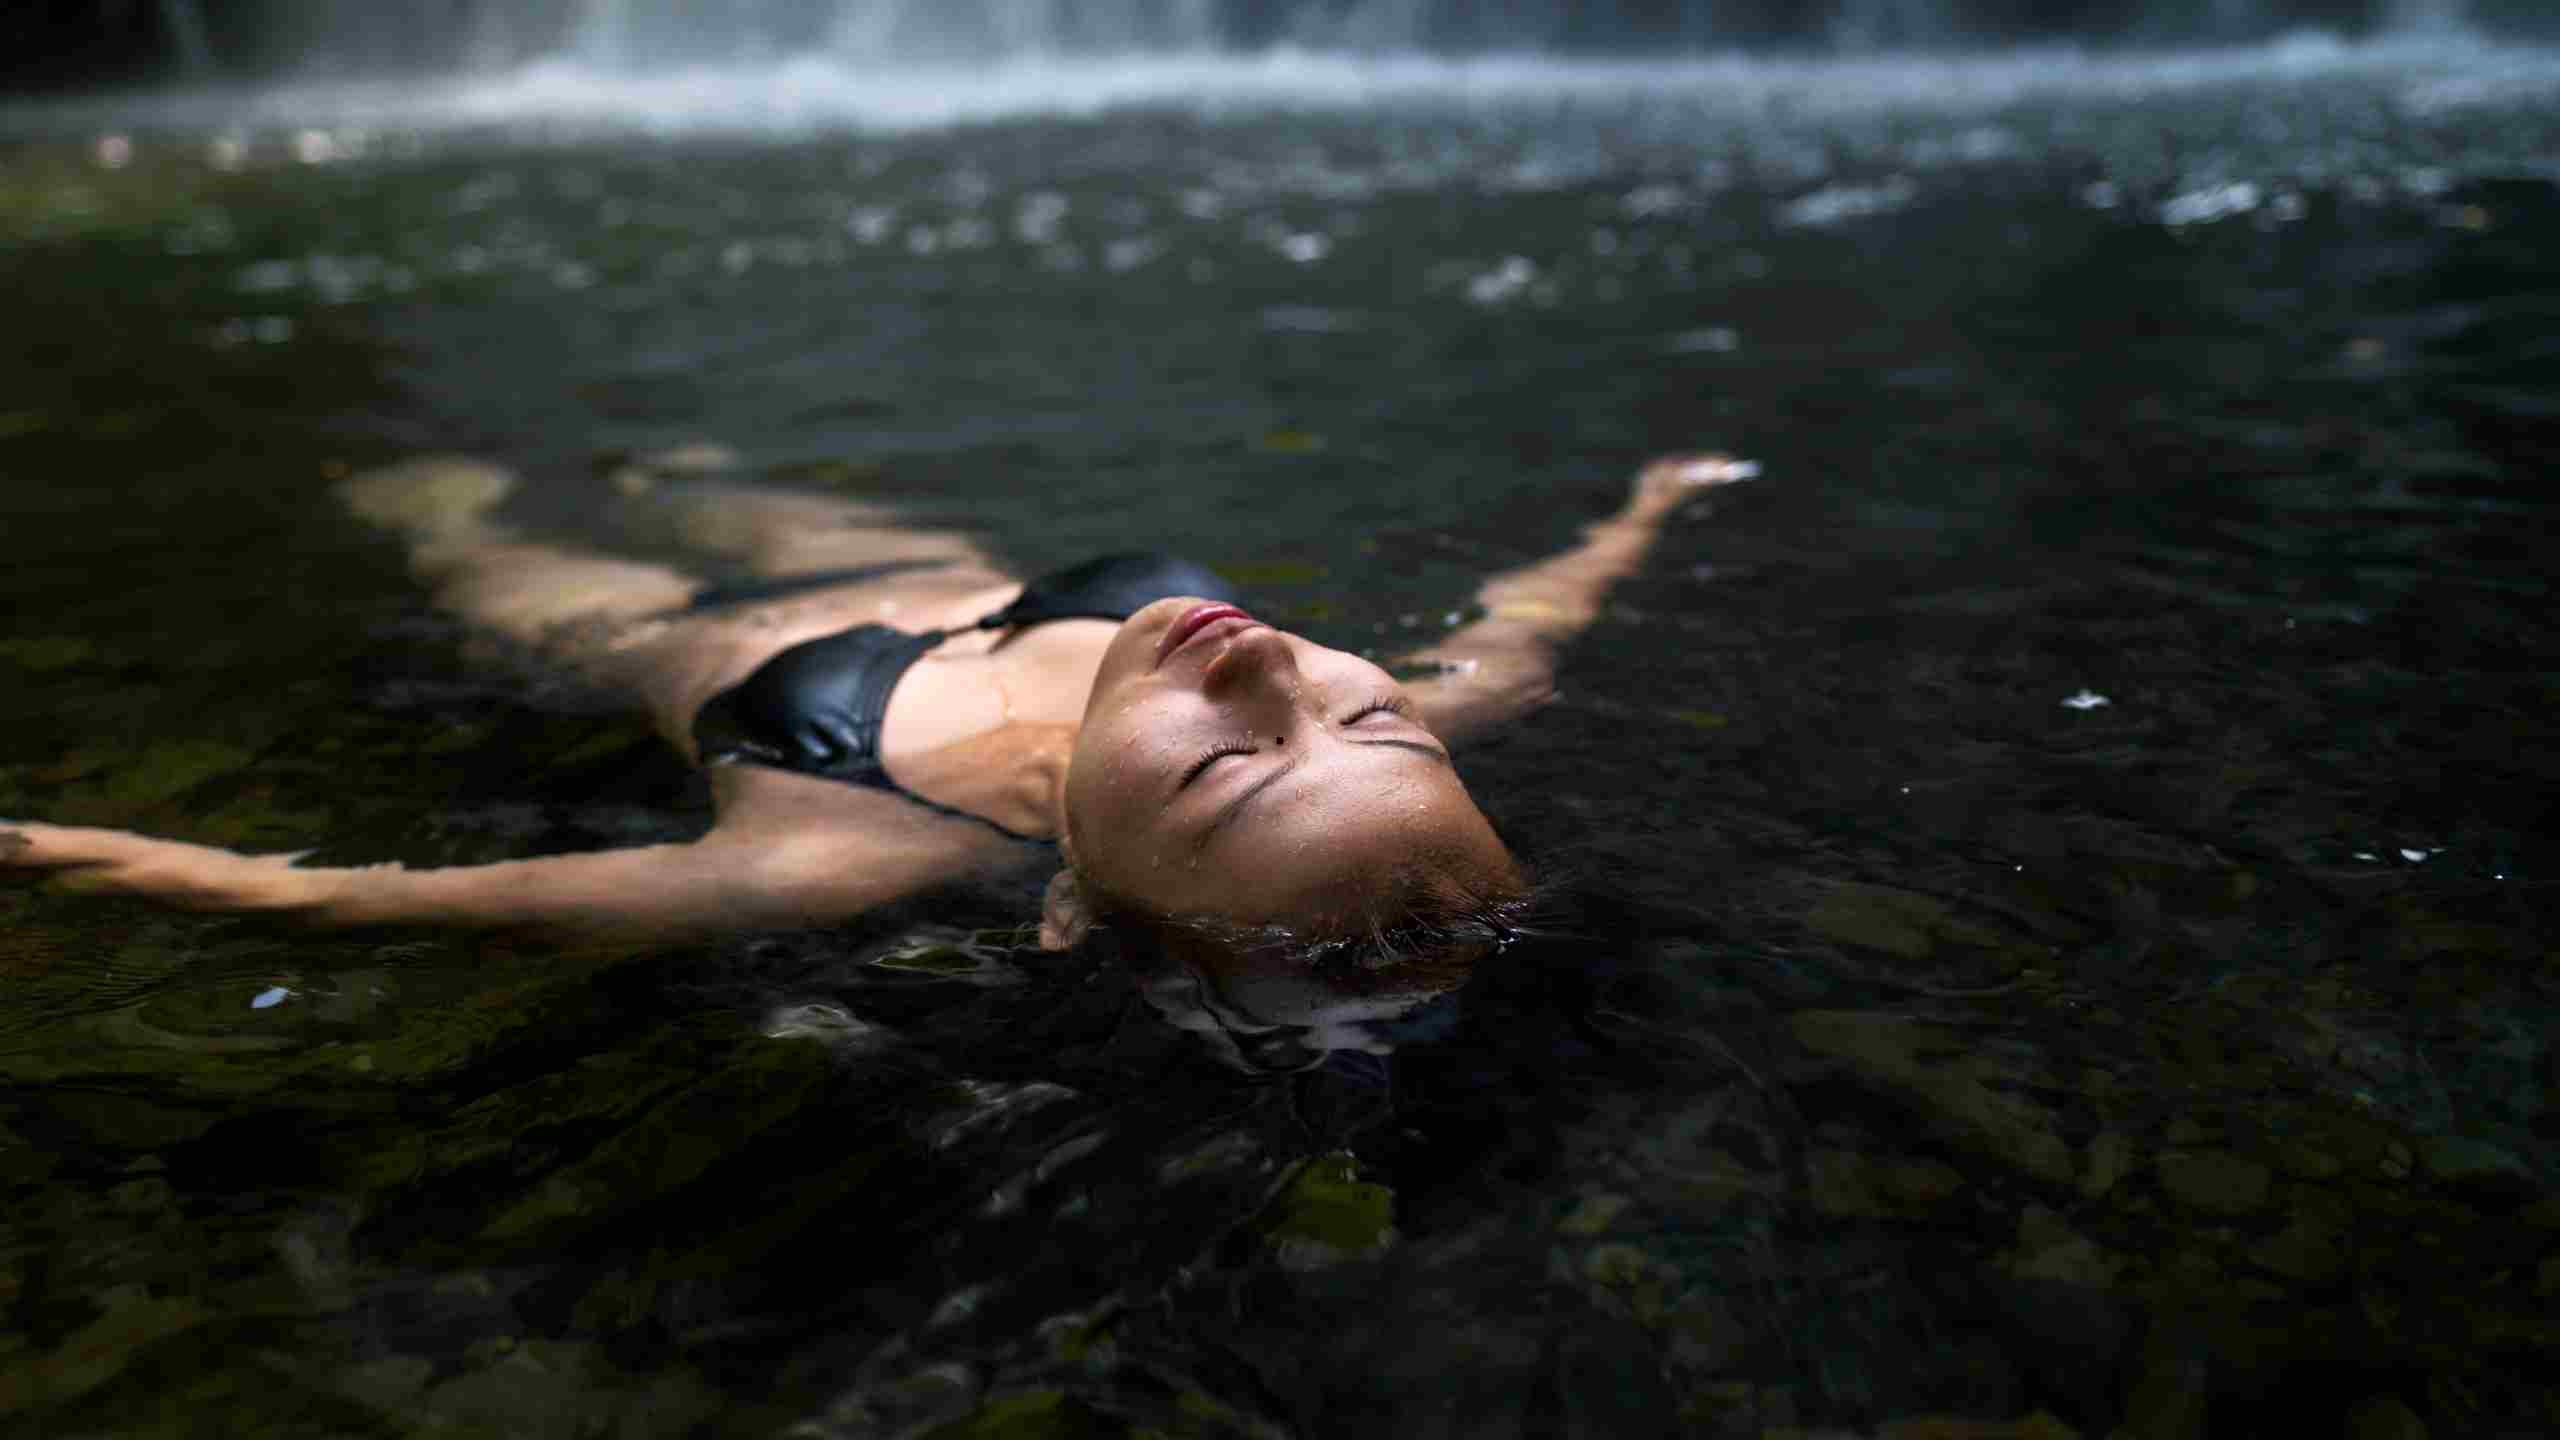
(1375,968)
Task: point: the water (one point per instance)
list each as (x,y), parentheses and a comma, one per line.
(1948,1042)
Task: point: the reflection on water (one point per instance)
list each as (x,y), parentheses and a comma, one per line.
(2059,865)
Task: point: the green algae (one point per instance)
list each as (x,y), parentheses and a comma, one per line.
(1290,442)
(1592,1214)
(949,953)
(1324,1212)
(1906,924)
(1031,1415)
(97,1352)
(2215,1182)
(43,653)
(130,783)
(675,1141)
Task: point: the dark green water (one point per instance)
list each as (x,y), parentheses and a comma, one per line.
(2180,1062)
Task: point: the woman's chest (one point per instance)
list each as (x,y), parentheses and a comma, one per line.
(981,732)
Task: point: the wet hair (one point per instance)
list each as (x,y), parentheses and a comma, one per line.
(1378,966)
(1424,948)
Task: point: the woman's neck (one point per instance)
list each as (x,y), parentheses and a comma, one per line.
(989,732)
(1014,775)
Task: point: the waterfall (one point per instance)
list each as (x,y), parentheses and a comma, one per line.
(2232,20)
(2429,17)
(184,25)
(639,36)
(1873,24)
(601,35)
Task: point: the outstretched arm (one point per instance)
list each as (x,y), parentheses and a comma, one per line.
(1504,664)
(768,864)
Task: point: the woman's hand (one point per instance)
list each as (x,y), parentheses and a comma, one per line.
(1661,485)
(1504,664)
(173,872)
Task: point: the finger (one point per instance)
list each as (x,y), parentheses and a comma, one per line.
(1711,470)
(31,846)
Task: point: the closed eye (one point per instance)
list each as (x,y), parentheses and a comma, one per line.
(1388,704)
(1383,704)
(1212,756)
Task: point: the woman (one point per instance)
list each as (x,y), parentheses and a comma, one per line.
(887,712)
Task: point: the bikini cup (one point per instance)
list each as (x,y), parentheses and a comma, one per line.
(817,708)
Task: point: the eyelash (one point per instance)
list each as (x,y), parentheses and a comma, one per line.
(1393,704)
(1210,755)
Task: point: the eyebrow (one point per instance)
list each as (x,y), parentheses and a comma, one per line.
(1244,797)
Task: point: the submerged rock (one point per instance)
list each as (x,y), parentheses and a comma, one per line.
(2310,1249)
(97,1352)
(1592,1214)
(2038,1426)
(1949,1080)
(2479,1171)
(2216,1181)
(544,1387)
(2047,1248)
(1848,1184)
(2384,1417)
(2108,1160)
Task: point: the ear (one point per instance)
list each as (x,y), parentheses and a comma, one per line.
(1064,916)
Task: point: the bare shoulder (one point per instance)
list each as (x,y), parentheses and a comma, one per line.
(867,846)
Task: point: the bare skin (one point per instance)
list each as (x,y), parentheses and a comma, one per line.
(1332,788)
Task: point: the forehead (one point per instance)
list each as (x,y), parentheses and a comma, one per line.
(1370,847)
(1342,788)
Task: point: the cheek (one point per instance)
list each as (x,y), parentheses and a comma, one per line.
(1110,773)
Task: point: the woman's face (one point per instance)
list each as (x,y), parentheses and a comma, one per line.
(1226,768)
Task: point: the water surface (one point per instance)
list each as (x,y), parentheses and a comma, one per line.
(2068,877)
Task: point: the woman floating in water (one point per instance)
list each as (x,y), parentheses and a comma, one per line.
(886,711)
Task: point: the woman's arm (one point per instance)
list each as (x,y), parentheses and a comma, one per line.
(768,864)
(1504,664)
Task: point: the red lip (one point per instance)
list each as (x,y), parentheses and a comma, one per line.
(1194,620)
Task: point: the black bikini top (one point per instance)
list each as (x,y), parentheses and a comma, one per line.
(817,707)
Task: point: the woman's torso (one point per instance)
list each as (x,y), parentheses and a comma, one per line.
(978,722)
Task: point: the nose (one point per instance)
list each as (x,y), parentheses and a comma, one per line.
(1258,668)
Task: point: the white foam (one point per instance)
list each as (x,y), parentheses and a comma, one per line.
(824,92)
